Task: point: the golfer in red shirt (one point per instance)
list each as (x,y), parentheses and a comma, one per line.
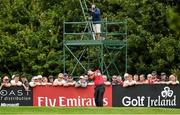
(99,89)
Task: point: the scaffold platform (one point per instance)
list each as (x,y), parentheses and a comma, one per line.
(94,42)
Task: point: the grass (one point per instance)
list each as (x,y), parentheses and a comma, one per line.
(105,110)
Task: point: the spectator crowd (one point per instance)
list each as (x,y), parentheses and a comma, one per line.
(83,81)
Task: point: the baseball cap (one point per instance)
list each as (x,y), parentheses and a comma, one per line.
(13,76)
(50,77)
(60,75)
(163,73)
(114,76)
(126,75)
(81,77)
(35,77)
(65,75)
(93,6)
(154,73)
(39,76)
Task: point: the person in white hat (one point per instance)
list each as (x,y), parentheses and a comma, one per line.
(59,81)
(16,81)
(82,82)
(39,81)
(34,81)
(129,80)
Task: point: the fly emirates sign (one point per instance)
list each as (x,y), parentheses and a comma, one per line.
(68,96)
(68,102)
(165,98)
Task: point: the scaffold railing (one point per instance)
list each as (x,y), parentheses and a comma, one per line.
(78,43)
(109,30)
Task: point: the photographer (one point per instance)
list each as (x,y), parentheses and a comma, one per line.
(96,18)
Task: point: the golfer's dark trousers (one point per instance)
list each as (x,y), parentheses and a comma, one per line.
(98,95)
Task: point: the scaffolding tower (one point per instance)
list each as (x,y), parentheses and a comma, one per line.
(84,52)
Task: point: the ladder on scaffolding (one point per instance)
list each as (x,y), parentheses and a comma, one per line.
(88,19)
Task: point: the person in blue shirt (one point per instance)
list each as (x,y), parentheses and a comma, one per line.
(96,18)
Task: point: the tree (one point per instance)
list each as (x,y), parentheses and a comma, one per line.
(31,34)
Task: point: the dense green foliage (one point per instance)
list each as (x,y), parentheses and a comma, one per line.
(31,34)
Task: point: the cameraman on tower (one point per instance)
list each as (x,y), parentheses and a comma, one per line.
(96,19)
